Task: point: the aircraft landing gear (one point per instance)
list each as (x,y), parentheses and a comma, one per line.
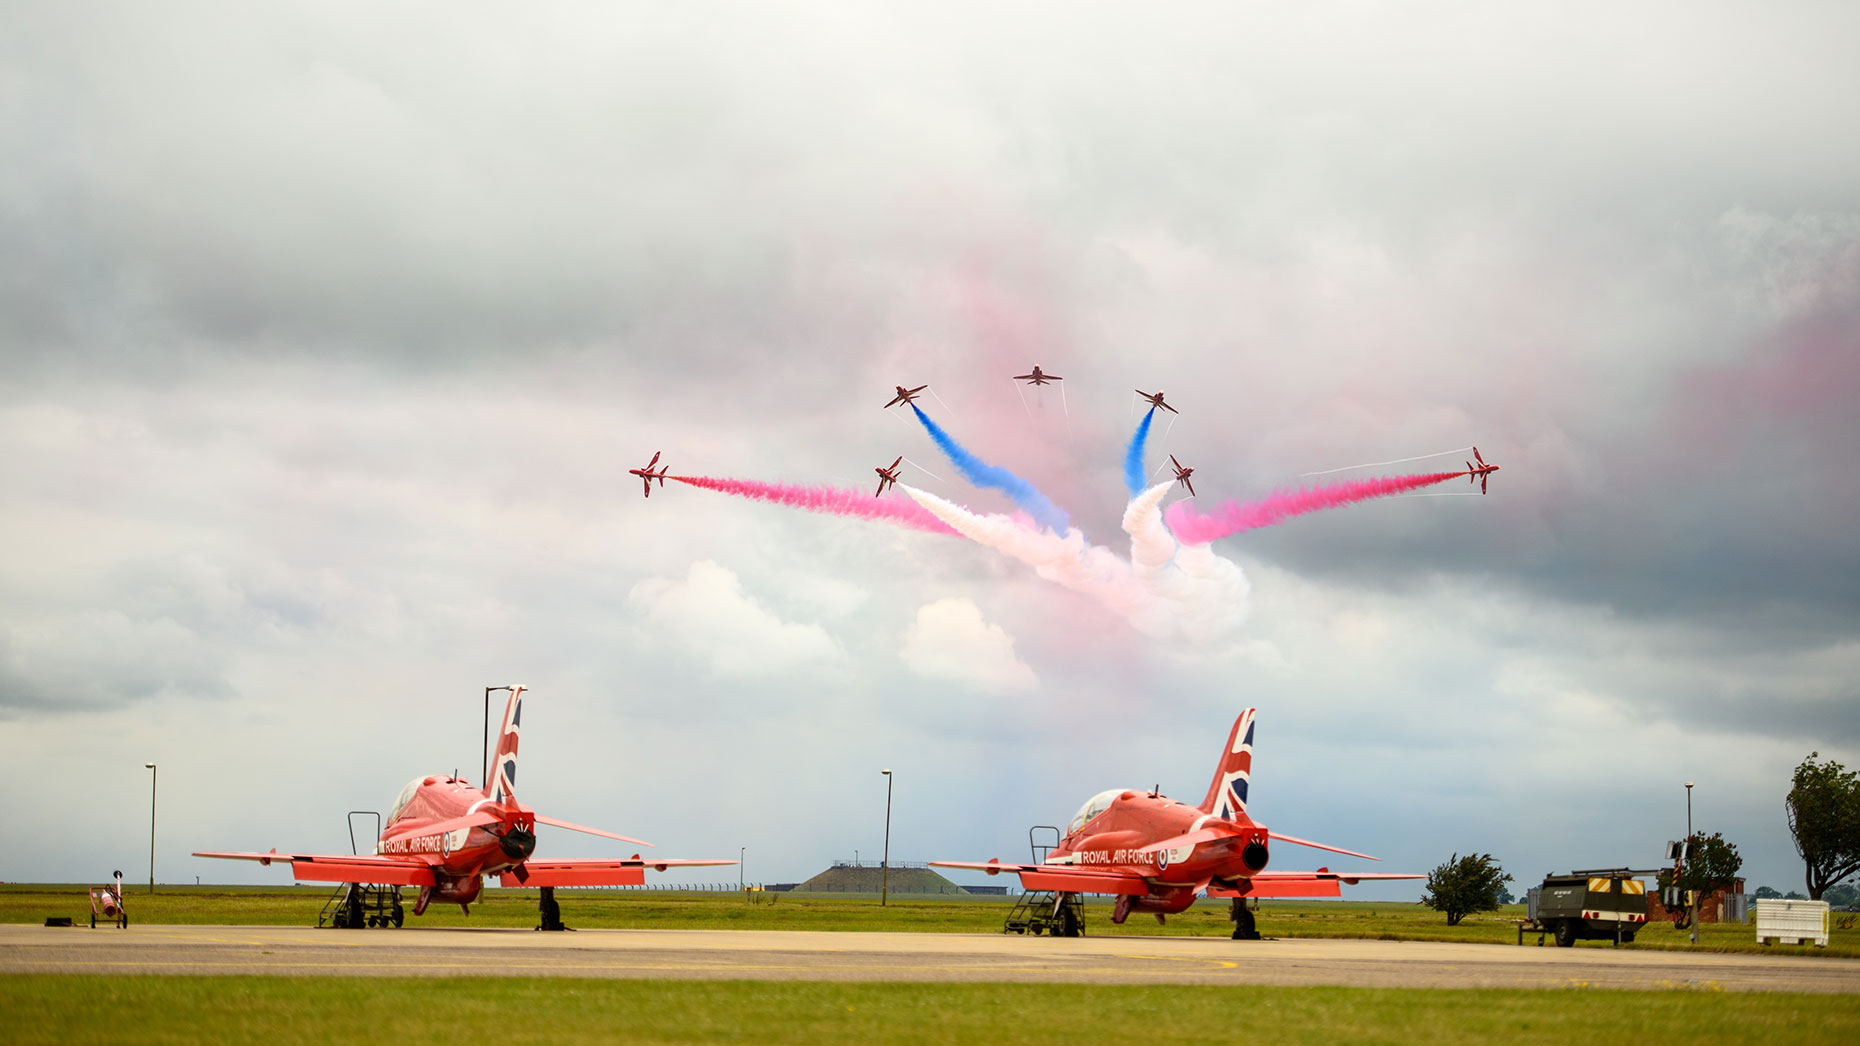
(1244,927)
(550,911)
(1120,909)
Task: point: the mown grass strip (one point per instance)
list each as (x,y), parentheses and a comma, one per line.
(281,1010)
(609,909)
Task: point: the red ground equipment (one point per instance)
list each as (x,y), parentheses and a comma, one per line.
(107,901)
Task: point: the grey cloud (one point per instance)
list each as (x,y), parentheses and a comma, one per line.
(102,661)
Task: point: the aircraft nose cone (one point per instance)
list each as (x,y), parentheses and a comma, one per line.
(518,843)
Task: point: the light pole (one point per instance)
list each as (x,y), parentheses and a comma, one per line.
(884,869)
(740,852)
(484,762)
(153,773)
(1695,904)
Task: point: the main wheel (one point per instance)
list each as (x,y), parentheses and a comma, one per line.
(1068,924)
(1566,933)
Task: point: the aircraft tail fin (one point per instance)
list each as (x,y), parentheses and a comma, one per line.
(1227,792)
(503,774)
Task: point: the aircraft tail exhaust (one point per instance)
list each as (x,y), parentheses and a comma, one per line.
(504,761)
(1227,792)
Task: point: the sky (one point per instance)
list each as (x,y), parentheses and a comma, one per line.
(329,331)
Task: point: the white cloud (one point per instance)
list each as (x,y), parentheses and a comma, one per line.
(708,613)
(951,640)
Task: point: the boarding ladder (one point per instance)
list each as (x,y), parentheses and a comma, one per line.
(355,905)
(1045,911)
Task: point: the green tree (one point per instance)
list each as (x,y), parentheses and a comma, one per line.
(1713,867)
(1463,885)
(1824,816)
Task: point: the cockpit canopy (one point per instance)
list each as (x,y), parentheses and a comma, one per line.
(1094,806)
(406,796)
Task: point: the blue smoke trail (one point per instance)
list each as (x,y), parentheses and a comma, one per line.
(982,474)
(1133,457)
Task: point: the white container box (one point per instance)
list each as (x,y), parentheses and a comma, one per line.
(1792,922)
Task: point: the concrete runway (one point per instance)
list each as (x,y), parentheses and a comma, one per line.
(803,956)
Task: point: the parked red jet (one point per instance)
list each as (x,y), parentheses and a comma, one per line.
(444,836)
(1038,377)
(1480,473)
(1182,472)
(646,474)
(1155,853)
(905,395)
(1157,401)
(886,476)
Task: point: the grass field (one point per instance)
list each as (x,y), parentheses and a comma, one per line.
(277,1010)
(598,909)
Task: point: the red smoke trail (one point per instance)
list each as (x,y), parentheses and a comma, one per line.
(1193,528)
(834,501)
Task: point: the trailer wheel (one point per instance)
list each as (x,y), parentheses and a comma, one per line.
(1566,933)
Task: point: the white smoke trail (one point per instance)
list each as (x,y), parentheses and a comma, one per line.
(1162,591)
(920,468)
(1397,461)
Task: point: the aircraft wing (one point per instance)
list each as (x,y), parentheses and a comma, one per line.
(629,871)
(1319,846)
(342,868)
(1321,883)
(571,826)
(1067,878)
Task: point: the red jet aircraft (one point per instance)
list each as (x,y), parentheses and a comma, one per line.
(886,475)
(1157,401)
(646,474)
(905,395)
(1182,472)
(1038,377)
(444,836)
(1480,473)
(1155,853)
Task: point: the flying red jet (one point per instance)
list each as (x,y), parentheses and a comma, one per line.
(1155,853)
(1157,401)
(905,395)
(886,476)
(1038,377)
(1182,472)
(1481,473)
(646,475)
(444,836)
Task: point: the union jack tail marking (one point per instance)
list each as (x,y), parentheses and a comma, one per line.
(1227,792)
(504,762)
